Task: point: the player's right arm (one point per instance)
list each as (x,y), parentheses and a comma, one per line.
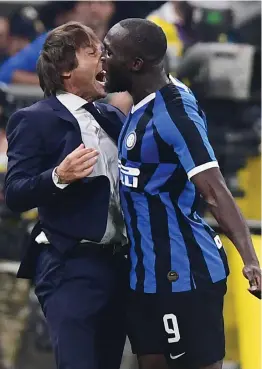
(184,128)
(27,185)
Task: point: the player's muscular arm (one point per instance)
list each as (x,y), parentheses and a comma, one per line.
(211,185)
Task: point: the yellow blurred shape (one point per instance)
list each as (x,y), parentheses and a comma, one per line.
(242,313)
(250,181)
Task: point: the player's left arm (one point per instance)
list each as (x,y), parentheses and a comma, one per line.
(210,183)
(185,129)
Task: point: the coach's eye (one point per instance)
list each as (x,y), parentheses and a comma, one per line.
(108,53)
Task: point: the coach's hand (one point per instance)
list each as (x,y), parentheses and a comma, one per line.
(77,165)
(253,273)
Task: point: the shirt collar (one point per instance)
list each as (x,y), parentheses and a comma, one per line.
(143,102)
(149,97)
(70,101)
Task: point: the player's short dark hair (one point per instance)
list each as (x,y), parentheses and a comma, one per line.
(59,54)
(146,38)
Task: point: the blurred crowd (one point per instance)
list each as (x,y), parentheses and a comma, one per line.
(23,30)
(214,47)
(29,25)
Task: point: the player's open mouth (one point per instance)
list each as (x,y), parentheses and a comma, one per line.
(101,77)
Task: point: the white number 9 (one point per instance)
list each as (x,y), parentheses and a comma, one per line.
(171,327)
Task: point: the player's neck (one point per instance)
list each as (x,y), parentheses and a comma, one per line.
(147,84)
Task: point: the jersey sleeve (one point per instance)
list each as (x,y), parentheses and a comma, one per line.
(183,126)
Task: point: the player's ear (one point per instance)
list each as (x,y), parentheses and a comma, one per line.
(137,64)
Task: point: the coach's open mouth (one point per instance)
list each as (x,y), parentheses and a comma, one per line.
(101,77)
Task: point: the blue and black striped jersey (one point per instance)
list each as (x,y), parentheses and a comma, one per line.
(163,144)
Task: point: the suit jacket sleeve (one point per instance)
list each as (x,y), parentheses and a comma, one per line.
(27,184)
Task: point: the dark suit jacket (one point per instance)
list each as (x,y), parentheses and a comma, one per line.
(39,138)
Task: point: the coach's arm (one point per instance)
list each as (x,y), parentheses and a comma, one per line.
(28,184)
(210,183)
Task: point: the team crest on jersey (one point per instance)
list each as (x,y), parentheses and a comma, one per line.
(131,140)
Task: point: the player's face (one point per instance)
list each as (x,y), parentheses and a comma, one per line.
(118,78)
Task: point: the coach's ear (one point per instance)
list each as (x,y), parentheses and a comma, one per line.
(137,64)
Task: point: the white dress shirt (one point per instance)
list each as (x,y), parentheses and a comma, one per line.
(95,137)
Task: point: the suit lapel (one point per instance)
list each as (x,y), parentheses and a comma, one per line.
(62,112)
(104,121)
(108,120)
(110,123)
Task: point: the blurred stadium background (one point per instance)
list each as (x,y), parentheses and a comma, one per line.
(215,48)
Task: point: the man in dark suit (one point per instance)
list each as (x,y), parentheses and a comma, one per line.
(62,159)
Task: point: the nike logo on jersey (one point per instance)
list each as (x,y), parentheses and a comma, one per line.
(176,356)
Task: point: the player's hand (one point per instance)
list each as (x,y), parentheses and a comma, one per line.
(252,272)
(77,165)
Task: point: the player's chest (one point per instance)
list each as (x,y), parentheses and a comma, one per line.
(140,142)
(145,161)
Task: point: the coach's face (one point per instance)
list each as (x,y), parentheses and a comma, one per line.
(87,79)
(115,63)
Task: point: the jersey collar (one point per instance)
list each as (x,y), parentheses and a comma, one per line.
(149,97)
(143,102)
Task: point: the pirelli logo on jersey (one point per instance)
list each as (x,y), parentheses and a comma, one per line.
(128,175)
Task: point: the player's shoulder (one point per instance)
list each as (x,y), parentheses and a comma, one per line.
(177,92)
(175,96)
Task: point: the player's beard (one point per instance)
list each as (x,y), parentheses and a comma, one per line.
(117,81)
